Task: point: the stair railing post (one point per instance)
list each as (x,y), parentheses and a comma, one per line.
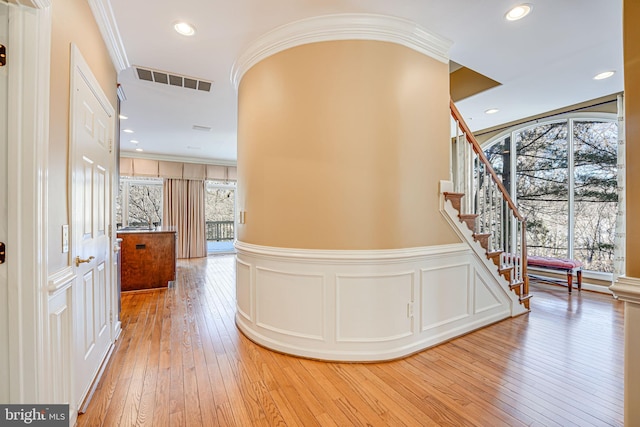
(497,215)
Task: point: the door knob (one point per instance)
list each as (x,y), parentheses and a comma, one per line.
(80,261)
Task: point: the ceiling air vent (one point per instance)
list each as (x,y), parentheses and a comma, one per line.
(166,78)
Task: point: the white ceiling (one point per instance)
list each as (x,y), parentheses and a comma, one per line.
(543,62)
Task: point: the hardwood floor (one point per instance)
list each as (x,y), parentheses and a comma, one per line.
(181,361)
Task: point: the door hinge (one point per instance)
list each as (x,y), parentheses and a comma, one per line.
(109,230)
(3,55)
(110,316)
(2,253)
(110,145)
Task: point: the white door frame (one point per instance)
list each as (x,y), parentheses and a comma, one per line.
(28,135)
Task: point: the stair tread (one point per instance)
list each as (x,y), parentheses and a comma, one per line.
(483,238)
(525,297)
(515,285)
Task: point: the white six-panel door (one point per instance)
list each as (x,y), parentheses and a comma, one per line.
(92,134)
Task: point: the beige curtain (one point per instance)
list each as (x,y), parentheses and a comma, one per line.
(183,209)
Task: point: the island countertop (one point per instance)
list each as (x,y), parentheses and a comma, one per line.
(161,229)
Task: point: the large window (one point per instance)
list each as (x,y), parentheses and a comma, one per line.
(139,203)
(562,175)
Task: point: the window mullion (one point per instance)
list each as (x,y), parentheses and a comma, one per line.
(571,190)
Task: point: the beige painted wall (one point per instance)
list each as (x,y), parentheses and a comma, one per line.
(72,22)
(341,145)
(631,40)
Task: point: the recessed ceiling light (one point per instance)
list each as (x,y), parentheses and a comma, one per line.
(134,141)
(127,131)
(123,117)
(491,111)
(184,28)
(604,75)
(139,149)
(518,12)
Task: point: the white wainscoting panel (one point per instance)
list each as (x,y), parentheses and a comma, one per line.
(446,295)
(243,293)
(59,338)
(485,298)
(290,303)
(60,345)
(374,308)
(363,305)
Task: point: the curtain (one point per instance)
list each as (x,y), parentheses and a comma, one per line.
(183,208)
(621,217)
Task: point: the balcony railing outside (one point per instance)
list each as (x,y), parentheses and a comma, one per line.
(220,230)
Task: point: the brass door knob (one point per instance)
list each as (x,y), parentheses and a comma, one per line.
(80,261)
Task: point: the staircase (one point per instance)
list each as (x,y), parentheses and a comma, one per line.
(484,205)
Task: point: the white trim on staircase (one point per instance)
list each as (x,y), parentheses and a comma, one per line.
(451,215)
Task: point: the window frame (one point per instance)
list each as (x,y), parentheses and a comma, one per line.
(126,183)
(569,119)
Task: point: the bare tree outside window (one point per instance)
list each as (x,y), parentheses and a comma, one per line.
(143,207)
(220,212)
(546,154)
(542,188)
(596,196)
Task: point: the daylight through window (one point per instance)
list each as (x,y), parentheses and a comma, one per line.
(562,175)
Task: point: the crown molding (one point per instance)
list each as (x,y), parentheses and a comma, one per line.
(103,14)
(341,27)
(172,158)
(36,4)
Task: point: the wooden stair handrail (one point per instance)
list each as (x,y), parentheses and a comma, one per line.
(478,150)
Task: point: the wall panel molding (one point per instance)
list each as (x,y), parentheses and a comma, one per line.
(362,305)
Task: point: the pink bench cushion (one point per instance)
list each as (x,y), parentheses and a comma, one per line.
(559,263)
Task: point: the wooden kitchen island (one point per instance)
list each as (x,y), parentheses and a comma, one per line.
(148,258)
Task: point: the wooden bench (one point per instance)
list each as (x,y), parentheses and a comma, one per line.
(570,266)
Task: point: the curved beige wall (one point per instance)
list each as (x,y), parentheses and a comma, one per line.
(341,145)
(72,22)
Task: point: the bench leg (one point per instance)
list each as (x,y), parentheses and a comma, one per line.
(570,280)
(579,274)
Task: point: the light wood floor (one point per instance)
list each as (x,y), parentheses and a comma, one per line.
(181,361)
